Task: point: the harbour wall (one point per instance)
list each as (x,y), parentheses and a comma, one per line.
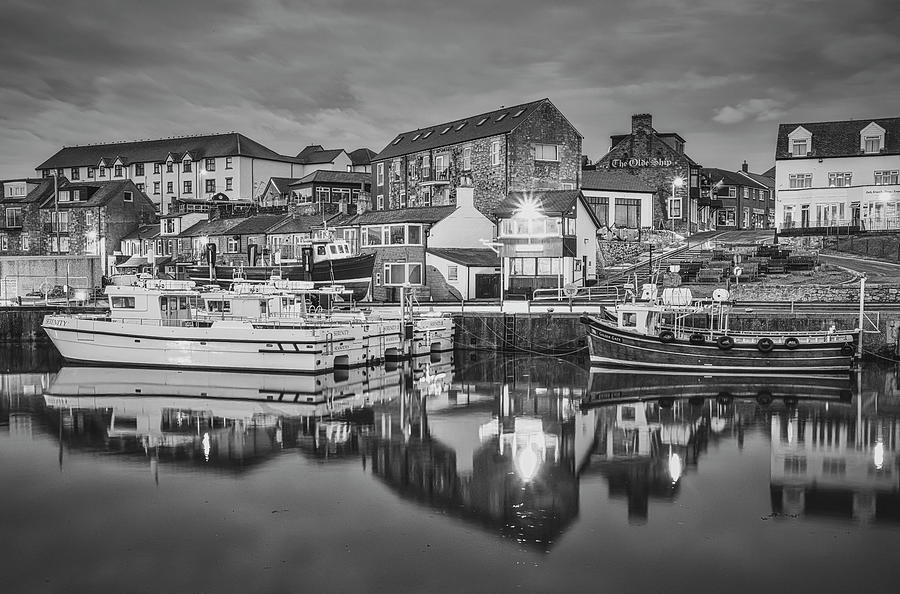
(881,293)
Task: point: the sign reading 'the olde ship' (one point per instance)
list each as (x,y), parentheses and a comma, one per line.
(637,162)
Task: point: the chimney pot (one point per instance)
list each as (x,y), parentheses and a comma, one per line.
(744,167)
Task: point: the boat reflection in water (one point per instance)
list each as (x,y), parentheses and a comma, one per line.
(651,428)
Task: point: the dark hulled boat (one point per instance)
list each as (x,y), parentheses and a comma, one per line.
(653,334)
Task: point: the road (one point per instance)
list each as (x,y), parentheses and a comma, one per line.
(875,271)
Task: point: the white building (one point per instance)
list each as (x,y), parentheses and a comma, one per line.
(619,198)
(171,169)
(838,173)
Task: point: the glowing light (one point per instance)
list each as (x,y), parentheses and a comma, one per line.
(527,464)
(678,182)
(675,467)
(528,208)
(206,446)
(878,455)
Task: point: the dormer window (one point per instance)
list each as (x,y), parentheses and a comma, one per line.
(799,148)
(871,139)
(799,142)
(186,166)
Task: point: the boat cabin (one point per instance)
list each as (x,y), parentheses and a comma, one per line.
(169,301)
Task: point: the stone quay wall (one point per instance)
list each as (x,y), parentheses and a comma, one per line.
(815,293)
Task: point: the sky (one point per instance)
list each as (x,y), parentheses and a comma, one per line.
(348,74)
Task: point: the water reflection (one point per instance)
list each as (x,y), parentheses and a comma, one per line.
(510,445)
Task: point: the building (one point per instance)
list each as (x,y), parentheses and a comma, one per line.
(277,193)
(548,240)
(21,199)
(188,167)
(746,198)
(621,200)
(841,173)
(402,239)
(658,158)
(334,187)
(767,195)
(361,160)
(524,147)
(315,158)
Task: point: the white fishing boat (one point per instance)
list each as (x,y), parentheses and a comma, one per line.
(254,327)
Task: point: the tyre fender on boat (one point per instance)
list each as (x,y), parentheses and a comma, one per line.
(697,338)
(765,345)
(847,349)
(725,342)
(791,342)
(667,336)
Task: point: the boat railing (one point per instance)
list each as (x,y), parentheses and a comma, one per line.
(592,293)
(756,333)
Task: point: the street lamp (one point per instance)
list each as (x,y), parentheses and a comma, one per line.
(677,182)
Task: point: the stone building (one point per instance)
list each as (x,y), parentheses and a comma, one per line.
(747,200)
(524,147)
(658,158)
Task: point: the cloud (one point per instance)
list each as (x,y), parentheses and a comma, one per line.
(759,110)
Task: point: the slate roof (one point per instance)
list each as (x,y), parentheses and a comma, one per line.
(232,144)
(426,214)
(730,178)
(144,232)
(552,202)
(216,227)
(839,138)
(762,179)
(493,125)
(257,224)
(37,194)
(361,156)
(102,192)
(468,256)
(770,172)
(298,224)
(334,177)
(281,183)
(617,180)
(314,154)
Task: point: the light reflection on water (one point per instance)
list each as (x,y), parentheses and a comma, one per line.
(529,472)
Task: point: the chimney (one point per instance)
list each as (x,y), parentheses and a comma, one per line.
(744,166)
(641,122)
(465,193)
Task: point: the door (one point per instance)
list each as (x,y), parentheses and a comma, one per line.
(487,286)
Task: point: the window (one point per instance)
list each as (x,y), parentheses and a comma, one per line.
(59,244)
(674,208)
(156,187)
(229,183)
(501,116)
(379,202)
(210,186)
(64,195)
(170,167)
(402,272)
(800,180)
(122,302)
(127,197)
(445,130)
(90,173)
(396,235)
(481,121)
(397,141)
(140,187)
(340,195)
(467,158)
(414,235)
(186,166)
(74,174)
(395,170)
(187,186)
(873,144)
(725,217)
(170,187)
(461,126)
(139,169)
(380,174)
(234,245)
(425,170)
(495,152)
(799,148)
(103,172)
(118,171)
(732,192)
(887,178)
(534,266)
(4,242)
(518,113)
(427,134)
(26,242)
(60,172)
(13,217)
(600,206)
(323,195)
(416,137)
(452,273)
(210,165)
(839,180)
(157,168)
(440,167)
(628,212)
(546,152)
(746,192)
(568,186)
(228,162)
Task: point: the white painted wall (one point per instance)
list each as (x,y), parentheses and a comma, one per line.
(465,282)
(465,227)
(586,238)
(646,199)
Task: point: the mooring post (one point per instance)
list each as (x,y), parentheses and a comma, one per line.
(862,304)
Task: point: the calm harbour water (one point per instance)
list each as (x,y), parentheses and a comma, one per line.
(473,473)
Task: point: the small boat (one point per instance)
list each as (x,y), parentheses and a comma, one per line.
(164,323)
(323,260)
(655,332)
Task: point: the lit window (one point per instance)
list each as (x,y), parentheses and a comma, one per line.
(445,130)
(416,137)
(518,113)
(481,121)
(674,208)
(427,134)
(501,116)
(839,180)
(396,142)
(887,178)
(461,126)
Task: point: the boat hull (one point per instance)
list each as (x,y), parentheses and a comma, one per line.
(614,346)
(233,346)
(353,273)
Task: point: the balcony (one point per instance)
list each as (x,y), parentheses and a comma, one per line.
(434,177)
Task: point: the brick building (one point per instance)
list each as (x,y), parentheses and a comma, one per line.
(658,158)
(524,147)
(20,202)
(747,200)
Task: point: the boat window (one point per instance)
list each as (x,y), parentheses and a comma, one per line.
(218,306)
(629,319)
(320,250)
(333,249)
(164,303)
(123,302)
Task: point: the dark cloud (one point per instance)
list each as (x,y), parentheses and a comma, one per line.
(723,73)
